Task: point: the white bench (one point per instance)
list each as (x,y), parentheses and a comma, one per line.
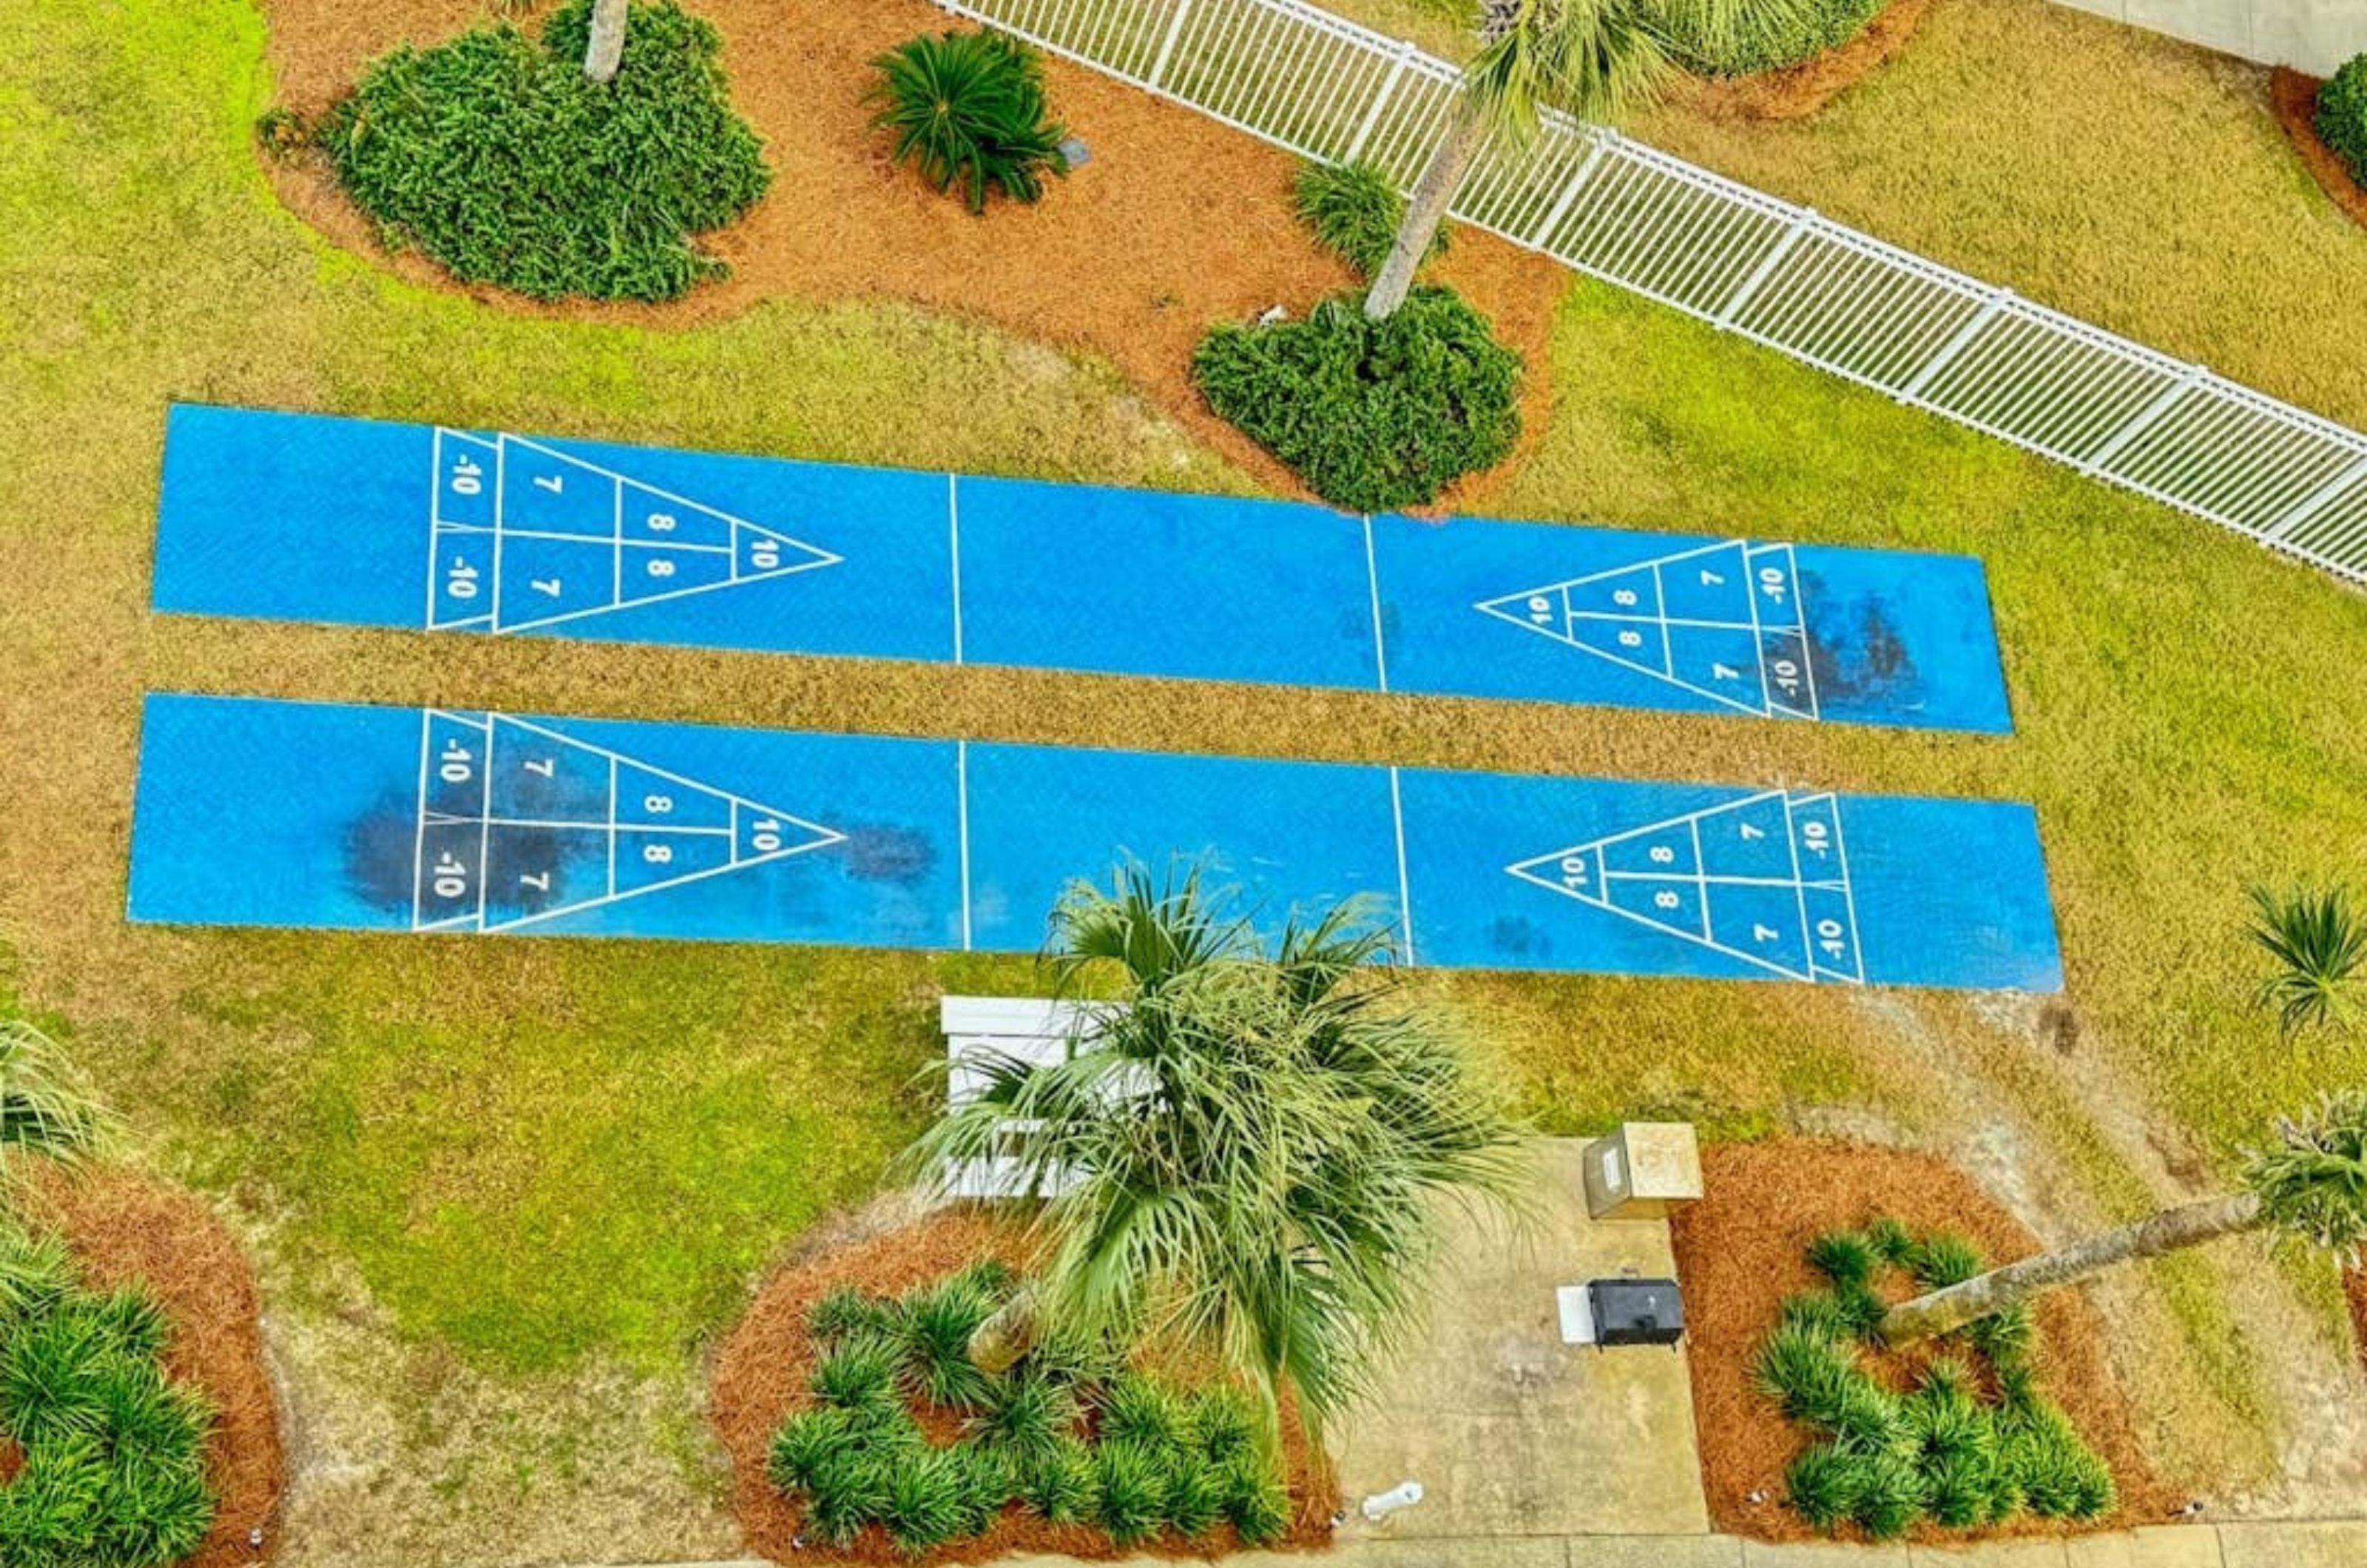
(984,1032)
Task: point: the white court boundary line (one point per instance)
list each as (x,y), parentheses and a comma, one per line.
(1373,580)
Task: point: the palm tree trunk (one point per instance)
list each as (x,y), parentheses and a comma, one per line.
(1426,208)
(1007,1334)
(607,45)
(1941,1310)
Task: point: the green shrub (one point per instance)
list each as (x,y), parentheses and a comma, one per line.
(968,108)
(1371,416)
(1767,38)
(495,156)
(1844,1258)
(844,1312)
(1353,212)
(805,1445)
(1944,1258)
(859,1375)
(1063,1484)
(1195,1493)
(1821,1487)
(1256,1504)
(1160,1458)
(1142,1410)
(1890,1490)
(1225,1423)
(2342,115)
(1023,1415)
(1943,1451)
(113,1464)
(935,1326)
(1130,1495)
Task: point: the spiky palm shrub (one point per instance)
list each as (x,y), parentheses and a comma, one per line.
(1261,1141)
(47,1113)
(967,108)
(2319,943)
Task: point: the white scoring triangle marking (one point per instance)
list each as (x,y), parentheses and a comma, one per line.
(555,831)
(1763,879)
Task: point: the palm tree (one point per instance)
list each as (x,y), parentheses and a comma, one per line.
(1249,1156)
(2320,944)
(45,1111)
(1598,60)
(606,45)
(2311,1184)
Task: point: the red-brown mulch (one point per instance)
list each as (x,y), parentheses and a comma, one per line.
(1175,223)
(2354,1291)
(1740,1251)
(1797,91)
(2294,97)
(124,1229)
(760,1379)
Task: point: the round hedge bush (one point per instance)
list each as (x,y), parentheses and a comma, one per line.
(1764,42)
(1373,415)
(496,157)
(2342,115)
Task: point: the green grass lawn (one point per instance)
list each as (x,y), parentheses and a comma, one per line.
(553,1167)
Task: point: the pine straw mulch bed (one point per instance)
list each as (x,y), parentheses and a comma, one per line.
(124,1229)
(2294,97)
(1740,1251)
(760,1379)
(1177,223)
(1797,91)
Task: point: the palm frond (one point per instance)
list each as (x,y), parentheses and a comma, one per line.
(46,1110)
(1259,1147)
(2312,1182)
(2319,943)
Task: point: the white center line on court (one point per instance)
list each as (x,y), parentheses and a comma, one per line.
(961,794)
(1373,580)
(953,530)
(1405,893)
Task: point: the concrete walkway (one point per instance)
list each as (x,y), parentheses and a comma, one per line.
(2315,1544)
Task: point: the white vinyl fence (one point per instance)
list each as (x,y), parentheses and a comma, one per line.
(1778,274)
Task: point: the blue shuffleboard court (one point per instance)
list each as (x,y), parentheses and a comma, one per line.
(357,522)
(255,812)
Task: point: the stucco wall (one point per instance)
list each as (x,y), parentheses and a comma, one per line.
(2315,36)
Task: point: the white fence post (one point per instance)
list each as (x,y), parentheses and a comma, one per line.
(1573,190)
(1381,98)
(1766,267)
(2145,418)
(2316,501)
(1167,46)
(1958,341)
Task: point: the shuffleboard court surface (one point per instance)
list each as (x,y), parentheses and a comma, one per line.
(355,522)
(262,812)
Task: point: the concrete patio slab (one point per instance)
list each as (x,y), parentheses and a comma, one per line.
(1511,1431)
(2152,1546)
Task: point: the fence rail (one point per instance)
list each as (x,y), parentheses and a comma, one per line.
(1779,274)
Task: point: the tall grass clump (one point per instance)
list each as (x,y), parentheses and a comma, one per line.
(1353,210)
(1969,1443)
(496,157)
